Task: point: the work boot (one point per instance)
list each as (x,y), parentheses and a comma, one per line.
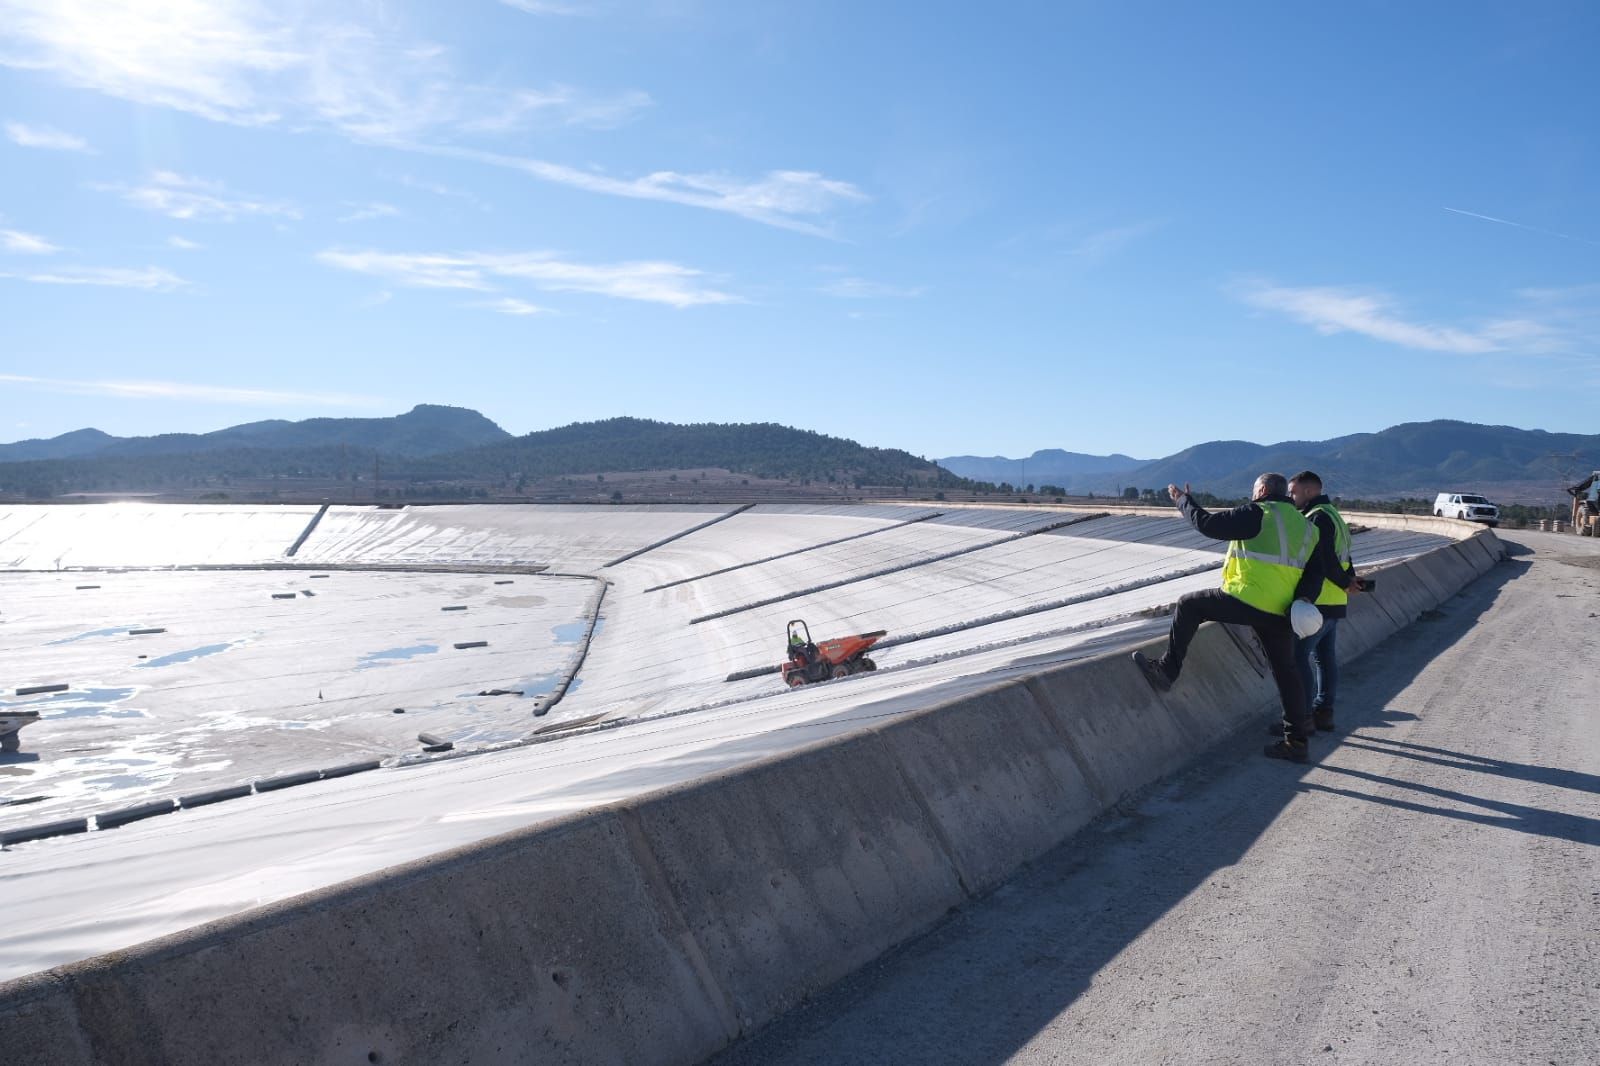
(1291,749)
(1323,717)
(1152,672)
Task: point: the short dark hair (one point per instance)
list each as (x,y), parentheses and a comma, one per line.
(1307,477)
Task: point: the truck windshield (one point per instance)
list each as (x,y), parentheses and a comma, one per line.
(1473,499)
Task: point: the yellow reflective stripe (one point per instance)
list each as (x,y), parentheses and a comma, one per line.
(1341,540)
(1283,556)
(1283,536)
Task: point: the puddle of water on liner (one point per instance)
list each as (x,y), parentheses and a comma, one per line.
(186,656)
(106,632)
(389,656)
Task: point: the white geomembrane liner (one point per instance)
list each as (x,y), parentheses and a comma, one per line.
(54,537)
(655,679)
(565,537)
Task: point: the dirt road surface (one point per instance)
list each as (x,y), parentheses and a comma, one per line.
(1427,891)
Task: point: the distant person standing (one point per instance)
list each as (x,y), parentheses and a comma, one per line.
(1317,656)
(1271,563)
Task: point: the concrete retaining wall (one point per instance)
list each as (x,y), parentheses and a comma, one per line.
(659,929)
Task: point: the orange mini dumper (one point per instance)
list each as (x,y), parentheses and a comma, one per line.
(839,657)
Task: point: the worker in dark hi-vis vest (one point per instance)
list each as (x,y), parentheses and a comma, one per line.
(1271,564)
(1317,656)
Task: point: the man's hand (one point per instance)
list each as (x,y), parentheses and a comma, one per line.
(1177,493)
(1357,585)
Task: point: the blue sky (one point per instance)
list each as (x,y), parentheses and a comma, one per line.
(948,227)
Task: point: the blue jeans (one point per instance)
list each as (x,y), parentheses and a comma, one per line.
(1317,659)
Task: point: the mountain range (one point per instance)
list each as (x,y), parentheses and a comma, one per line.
(453,446)
(455,450)
(1416,458)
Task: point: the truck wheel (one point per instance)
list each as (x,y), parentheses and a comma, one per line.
(868,665)
(839,671)
(796,679)
(1438,514)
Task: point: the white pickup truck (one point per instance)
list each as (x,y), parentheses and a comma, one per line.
(1467,505)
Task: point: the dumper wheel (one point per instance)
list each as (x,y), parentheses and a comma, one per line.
(868,665)
(841,670)
(796,678)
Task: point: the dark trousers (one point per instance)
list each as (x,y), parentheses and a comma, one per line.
(1277,640)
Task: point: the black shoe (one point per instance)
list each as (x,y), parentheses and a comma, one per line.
(1292,750)
(1152,672)
(1323,717)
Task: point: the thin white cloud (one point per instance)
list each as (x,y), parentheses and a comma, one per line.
(195,199)
(512,306)
(44,137)
(183,244)
(176,390)
(248,63)
(363,212)
(648,281)
(418,270)
(1102,244)
(1521,225)
(562,105)
(862,289)
(411,181)
(549,7)
(1545,322)
(149,279)
(14,240)
(788,199)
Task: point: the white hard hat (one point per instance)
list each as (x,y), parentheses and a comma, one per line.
(1305,618)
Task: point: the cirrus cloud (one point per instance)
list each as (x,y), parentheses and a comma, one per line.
(14,240)
(54,140)
(194,199)
(148,279)
(864,289)
(649,281)
(179,390)
(1540,322)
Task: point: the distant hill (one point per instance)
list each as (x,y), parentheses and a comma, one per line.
(427,429)
(764,449)
(78,442)
(407,451)
(1048,466)
(1416,458)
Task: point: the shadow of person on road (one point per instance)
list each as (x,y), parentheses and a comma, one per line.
(1459,760)
(1537,820)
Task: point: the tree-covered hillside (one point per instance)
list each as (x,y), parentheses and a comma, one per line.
(763,449)
(619,444)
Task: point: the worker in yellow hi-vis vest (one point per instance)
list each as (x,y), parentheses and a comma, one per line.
(1317,656)
(1271,563)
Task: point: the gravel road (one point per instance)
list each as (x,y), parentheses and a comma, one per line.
(1428,891)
